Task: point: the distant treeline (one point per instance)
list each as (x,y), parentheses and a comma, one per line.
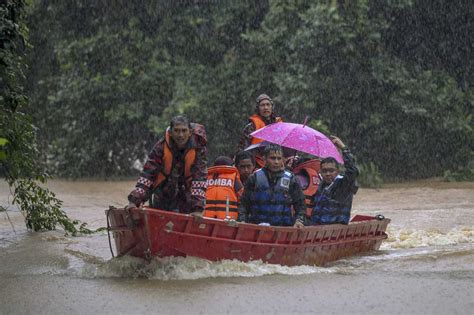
(393,79)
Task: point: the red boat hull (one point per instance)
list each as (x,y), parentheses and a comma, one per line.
(148,232)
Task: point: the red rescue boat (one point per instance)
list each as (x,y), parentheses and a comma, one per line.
(147,232)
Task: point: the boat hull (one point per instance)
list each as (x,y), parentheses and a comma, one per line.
(147,232)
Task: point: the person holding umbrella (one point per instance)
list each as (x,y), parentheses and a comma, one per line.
(333,199)
(271,192)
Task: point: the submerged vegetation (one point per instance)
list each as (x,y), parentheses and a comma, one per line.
(465,173)
(369,176)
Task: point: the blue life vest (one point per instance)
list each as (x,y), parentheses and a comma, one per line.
(271,204)
(328,210)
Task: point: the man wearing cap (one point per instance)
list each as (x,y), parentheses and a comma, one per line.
(264,115)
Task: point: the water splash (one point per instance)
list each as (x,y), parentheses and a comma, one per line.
(409,238)
(189,268)
(401,245)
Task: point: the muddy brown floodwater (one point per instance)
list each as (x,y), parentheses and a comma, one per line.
(425,267)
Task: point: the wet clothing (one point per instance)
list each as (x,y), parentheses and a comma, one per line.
(254,124)
(271,198)
(177,191)
(222,182)
(307,174)
(333,202)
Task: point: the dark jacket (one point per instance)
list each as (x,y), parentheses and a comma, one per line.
(333,202)
(256,207)
(174,193)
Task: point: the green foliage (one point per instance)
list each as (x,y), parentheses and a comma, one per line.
(369,175)
(42,209)
(3,156)
(461,174)
(108,77)
(18,150)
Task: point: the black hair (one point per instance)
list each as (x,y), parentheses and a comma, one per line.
(329,159)
(180,120)
(223,160)
(272,148)
(244,155)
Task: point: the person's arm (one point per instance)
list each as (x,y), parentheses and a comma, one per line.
(238,187)
(153,166)
(297,197)
(351,171)
(199,180)
(244,201)
(246,138)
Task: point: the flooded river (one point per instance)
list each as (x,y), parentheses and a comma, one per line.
(425,267)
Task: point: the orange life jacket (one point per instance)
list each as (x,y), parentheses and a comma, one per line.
(189,159)
(259,124)
(220,186)
(308,171)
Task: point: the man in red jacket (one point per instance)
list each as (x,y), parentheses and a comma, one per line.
(174,176)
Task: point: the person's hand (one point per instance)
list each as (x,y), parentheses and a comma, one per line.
(196,214)
(338,142)
(131,205)
(292,161)
(298,224)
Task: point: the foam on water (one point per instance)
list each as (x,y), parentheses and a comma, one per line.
(188,268)
(401,245)
(408,238)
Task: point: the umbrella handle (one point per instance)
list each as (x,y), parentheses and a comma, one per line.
(305,121)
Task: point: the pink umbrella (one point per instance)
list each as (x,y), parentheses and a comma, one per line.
(261,145)
(299,137)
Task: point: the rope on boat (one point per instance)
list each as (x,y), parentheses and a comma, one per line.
(108,231)
(147,235)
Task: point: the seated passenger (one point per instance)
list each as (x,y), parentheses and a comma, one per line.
(333,199)
(308,176)
(223,189)
(271,192)
(245,163)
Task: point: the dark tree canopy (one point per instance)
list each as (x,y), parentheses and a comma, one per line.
(392,78)
(19,163)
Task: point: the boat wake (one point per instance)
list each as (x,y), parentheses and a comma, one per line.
(407,238)
(89,257)
(188,268)
(402,247)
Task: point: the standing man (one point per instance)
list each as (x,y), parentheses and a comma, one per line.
(333,199)
(264,115)
(270,193)
(175,173)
